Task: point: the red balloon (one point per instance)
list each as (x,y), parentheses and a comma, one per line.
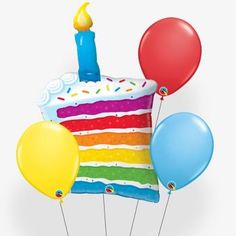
(169,53)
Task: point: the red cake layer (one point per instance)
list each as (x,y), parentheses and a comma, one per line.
(110,122)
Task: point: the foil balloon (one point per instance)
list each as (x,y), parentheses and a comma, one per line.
(169,53)
(48,158)
(181,149)
(112,123)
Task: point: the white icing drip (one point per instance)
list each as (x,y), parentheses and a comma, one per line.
(108,146)
(55,86)
(44,98)
(121,182)
(127,130)
(116,164)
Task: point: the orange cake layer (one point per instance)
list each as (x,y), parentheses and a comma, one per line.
(111,138)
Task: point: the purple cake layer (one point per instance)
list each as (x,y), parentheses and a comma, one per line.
(125,105)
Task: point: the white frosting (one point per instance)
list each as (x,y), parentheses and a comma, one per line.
(44,98)
(127,130)
(55,86)
(116,163)
(118,146)
(121,182)
(68,90)
(69,78)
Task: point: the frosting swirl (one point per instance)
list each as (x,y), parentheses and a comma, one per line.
(56,86)
(44,98)
(69,78)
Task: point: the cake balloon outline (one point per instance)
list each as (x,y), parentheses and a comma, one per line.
(111,121)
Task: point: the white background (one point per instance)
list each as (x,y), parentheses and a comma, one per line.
(37,45)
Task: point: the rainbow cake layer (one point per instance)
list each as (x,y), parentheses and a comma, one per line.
(111,120)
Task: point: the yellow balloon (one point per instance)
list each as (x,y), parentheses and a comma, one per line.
(48,158)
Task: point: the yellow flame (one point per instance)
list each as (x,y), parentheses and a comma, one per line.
(82,20)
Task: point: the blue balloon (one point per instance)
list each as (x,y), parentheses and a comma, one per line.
(181,149)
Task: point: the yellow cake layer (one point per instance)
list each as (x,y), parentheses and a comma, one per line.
(118,154)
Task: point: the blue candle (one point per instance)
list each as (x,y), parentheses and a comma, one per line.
(87,56)
(86,48)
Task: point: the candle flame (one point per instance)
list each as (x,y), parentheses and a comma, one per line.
(82,20)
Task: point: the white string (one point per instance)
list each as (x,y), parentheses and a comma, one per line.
(163,217)
(135,212)
(158,114)
(64,219)
(104,214)
(137,204)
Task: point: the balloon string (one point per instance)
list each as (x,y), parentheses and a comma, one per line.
(137,204)
(159,112)
(104,214)
(163,217)
(64,219)
(135,212)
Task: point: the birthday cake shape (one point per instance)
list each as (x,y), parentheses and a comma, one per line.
(111,121)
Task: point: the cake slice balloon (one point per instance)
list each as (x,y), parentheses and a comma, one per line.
(111,120)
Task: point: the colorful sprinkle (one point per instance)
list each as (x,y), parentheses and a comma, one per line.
(85,91)
(128,90)
(69,89)
(117,89)
(109,79)
(132,83)
(98,91)
(74,94)
(60,98)
(108,87)
(121,81)
(143,85)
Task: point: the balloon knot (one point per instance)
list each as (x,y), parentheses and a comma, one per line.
(59,193)
(163,91)
(171,186)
